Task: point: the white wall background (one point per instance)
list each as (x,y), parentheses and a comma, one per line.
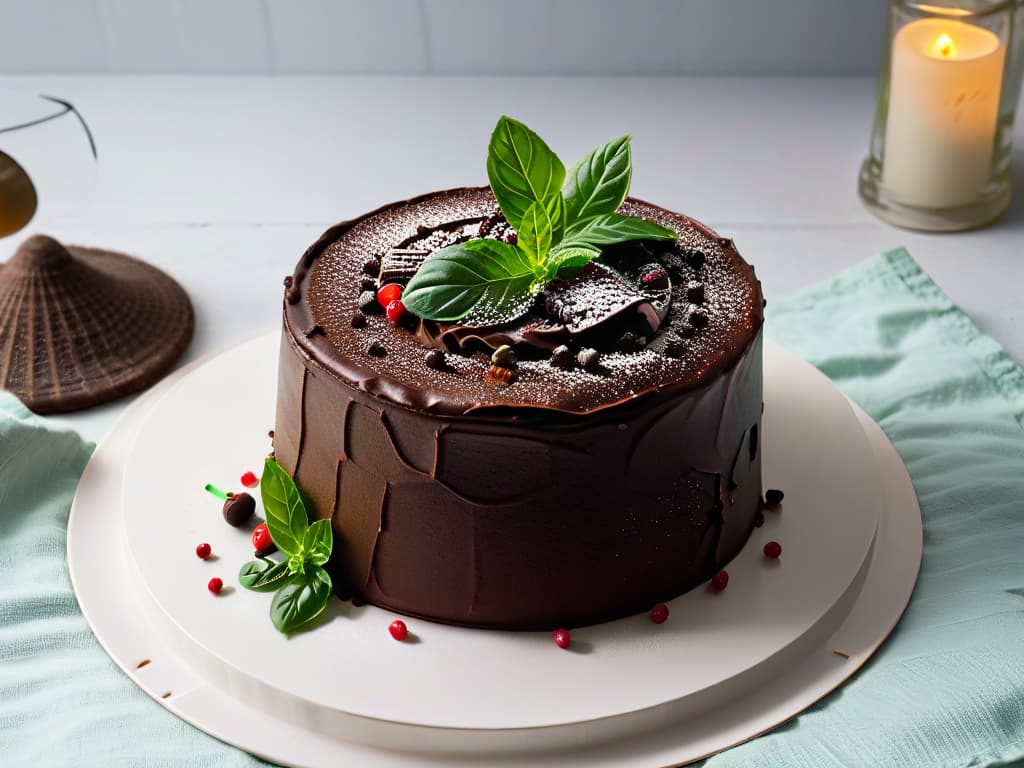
(770,37)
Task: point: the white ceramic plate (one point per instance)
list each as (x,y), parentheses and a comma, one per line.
(488,696)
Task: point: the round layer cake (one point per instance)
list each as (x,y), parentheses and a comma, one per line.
(609,463)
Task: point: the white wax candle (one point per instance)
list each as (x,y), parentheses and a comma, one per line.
(943,104)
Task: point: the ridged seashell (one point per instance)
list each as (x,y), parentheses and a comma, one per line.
(81,326)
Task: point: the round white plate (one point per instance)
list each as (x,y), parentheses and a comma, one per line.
(488,695)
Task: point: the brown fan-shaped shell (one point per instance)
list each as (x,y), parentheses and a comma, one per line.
(81,326)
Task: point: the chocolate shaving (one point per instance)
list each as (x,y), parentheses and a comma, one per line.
(400,264)
(596,294)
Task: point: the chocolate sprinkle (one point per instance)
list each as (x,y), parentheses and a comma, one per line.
(631,342)
(371,268)
(368,302)
(773,497)
(589,359)
(695,293)
(357,321)
(316,330)
(674,346)
(562,358)
(435,359)
(694,257)
(294,294)
(376,349)
(698,318)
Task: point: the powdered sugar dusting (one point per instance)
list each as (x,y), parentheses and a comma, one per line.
(731,307)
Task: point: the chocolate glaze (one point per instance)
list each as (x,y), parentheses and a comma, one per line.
(565,498)
(330,272)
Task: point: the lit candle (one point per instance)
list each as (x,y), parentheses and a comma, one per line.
(943,105)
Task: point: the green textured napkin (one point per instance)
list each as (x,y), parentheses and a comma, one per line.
(946,690)
(63,702)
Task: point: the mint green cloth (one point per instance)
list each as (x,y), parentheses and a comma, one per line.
(63,702)
(946,690)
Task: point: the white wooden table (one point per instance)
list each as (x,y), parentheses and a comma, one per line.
(223,182)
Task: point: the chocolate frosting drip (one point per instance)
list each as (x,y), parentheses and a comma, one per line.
(324,292)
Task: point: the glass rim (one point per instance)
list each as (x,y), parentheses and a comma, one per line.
(934,8)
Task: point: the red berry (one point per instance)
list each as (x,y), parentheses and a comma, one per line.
(720,580)
(388,293)
(215,585)
(395,310)
(261,538)
(652,277)
(772,549)
(562,638)
(249,480)
(398,630)
(659,613)
(203,551)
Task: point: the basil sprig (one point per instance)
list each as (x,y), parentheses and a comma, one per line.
(522,171)
(561,220)
(264,575)
(301,584)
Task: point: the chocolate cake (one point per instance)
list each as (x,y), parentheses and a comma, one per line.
(593,456)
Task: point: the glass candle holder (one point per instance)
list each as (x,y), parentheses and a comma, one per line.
(942,141)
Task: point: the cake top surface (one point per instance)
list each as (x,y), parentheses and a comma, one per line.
(650,317)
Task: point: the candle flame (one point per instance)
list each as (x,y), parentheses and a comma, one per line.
(944,46)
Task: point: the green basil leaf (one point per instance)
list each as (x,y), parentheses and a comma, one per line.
(301,600)
(318,542)
(535,235)
(609,228)
(599,182)
(556,213)
(482,282)
(286,514)
(264,575)
(523,170)
(568,257)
